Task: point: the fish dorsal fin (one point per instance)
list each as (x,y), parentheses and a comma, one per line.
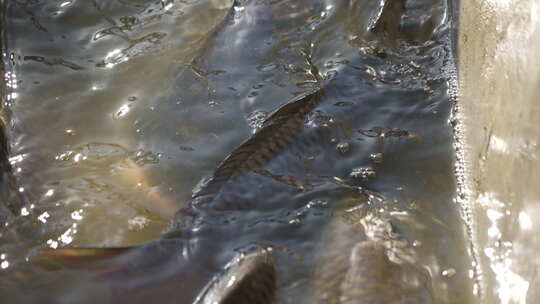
(82,257)
(277,131)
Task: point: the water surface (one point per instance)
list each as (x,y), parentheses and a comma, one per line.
(120,109)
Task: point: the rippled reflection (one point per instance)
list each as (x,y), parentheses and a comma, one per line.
(126,108)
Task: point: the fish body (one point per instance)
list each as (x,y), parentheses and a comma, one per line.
(277,131)
(365,261)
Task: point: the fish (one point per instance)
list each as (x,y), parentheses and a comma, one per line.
(277,131)
(358,269)
(365,260)
(389,22)
(253,272)
(249,279)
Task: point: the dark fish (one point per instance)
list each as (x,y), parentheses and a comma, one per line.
(364,261)
(13,199)
(248,278)
(353,268)
(391,21)
(358,272)
(251,279)
(277,131)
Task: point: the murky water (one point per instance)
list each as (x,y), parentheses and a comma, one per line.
(118,110)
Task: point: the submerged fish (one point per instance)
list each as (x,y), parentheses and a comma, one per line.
(249,279)
(250,276)
(357,270)
(365,261)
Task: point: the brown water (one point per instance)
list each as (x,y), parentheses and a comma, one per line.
(119,109)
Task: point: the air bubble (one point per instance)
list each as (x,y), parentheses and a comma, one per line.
(122,111)
(295,222)
(448,273)
(376,157)
(256,119)
(343,147)
(363,173)
(137,223)
(4,264)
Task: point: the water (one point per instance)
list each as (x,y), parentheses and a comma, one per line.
(119,109)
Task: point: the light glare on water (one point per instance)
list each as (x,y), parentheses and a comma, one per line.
(499,85)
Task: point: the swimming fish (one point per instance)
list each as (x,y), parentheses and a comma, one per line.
(363,260)
(249,279)
(251,276)
(356,269)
